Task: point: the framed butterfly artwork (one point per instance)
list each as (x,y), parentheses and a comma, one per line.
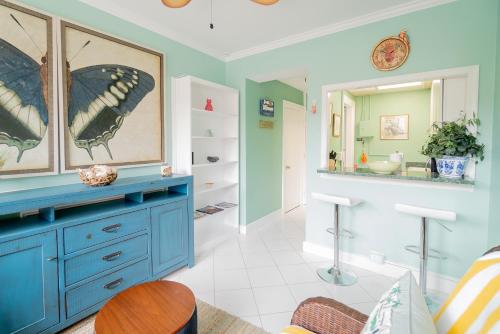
(27,112)
(112,101)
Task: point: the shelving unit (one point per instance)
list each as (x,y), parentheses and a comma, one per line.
(198,134)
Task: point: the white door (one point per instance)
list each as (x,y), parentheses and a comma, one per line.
(349,133)
(294,154)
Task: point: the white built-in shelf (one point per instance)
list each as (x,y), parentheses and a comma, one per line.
(215,164)
(202,112)
(214,138)
(191,125)
(204,188)
(217,214)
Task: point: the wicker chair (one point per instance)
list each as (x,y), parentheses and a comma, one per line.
(327,316)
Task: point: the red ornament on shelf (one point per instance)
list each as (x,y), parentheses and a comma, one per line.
(208,106)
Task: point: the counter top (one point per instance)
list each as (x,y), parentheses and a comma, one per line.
(410,175)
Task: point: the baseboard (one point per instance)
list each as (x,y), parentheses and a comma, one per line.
(435,281)
(259,223)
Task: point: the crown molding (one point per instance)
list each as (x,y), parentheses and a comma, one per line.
(153,26)
(156,27)
(377,16)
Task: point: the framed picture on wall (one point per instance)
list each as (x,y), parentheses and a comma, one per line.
(394,127)
(266,107)
(112,100)
(27,87)
(336,123)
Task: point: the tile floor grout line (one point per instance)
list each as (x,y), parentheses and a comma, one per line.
(251,287)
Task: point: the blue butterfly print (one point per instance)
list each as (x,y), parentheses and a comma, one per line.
(23,98)
(100,97)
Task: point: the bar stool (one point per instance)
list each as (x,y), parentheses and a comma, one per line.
(335,275)
(423,249)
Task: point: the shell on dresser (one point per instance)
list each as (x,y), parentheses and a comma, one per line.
(98,175)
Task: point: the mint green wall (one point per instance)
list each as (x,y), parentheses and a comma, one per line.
(264,147)
(442,37)
(179,60)
(494,231)
(416,104)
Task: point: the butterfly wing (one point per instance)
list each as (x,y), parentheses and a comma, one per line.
(23,109)
(100,97)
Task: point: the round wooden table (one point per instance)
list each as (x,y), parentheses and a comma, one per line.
(156,307)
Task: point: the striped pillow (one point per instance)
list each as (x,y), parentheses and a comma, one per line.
(474,304)
(295,330)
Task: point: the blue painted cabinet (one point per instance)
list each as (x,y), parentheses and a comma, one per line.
(86,245)
(29,298)
(169,235)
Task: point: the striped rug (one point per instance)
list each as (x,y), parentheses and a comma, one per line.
(211,320)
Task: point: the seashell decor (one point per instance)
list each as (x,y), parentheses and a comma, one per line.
(98,175)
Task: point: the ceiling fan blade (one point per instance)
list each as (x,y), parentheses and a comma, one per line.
(175,3)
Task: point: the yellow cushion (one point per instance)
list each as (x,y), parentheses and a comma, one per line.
(474,304)
(295,330)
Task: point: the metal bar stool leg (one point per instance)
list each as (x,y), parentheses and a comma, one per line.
(424,254)
(335,275)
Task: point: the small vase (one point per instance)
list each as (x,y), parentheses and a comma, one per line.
(208,106)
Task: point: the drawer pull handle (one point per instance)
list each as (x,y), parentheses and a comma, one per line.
(112,256)
(52,258)
(114,284)
(112,228)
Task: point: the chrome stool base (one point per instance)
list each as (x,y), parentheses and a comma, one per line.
(337,276)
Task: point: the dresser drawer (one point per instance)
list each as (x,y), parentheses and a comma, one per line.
(99,231)
(92,293)
(89,264)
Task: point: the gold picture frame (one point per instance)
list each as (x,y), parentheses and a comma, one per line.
(395,127)
(140,123)
(28,147)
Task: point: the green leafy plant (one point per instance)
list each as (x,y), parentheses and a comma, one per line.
(454,139)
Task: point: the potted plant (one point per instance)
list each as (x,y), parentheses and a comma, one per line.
(453,144)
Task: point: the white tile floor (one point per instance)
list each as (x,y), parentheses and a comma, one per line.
(264,275)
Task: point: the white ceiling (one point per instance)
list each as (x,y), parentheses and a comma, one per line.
(297,82)
(243,27)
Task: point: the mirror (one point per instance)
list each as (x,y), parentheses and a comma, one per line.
(391,121)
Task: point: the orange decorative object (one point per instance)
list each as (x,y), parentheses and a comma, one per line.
(175,3)
(364,158)
(266,2)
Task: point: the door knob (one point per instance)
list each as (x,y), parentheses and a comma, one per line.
(287,167)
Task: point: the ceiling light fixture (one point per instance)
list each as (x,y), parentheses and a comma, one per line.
(266,2)
(402,85)
(175,3)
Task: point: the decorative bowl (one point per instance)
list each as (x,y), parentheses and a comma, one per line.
(384,167)
(98,175)
(452,167)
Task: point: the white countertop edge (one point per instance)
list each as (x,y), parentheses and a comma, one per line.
(401,182)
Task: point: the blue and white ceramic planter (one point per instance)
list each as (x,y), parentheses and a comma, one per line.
(452,167)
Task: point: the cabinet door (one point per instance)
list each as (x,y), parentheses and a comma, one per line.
(29,300)
(169,231)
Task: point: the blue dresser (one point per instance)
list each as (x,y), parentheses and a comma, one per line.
(65,250)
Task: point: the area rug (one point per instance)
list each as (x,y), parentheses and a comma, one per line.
(211,320)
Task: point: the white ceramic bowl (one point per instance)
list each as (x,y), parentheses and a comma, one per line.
(384,167)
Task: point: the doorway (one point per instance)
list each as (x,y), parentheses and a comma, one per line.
(348,137)
(294,155)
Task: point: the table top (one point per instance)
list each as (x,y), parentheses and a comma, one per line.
(155,307)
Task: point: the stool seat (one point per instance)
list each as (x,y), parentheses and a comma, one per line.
(344,201)
(426,212)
